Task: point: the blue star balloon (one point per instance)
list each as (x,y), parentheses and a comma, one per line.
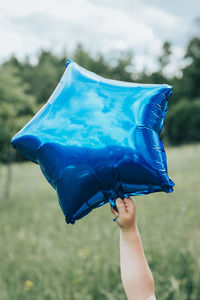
(97,139)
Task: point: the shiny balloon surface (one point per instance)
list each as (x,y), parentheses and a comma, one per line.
(97,139)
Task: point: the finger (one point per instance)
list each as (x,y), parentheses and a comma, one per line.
(114,211)
(130,204)
(120,206)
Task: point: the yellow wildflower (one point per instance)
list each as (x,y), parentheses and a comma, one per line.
(191,213)
(28,285)
(84,252)
(97,257)
(77,280)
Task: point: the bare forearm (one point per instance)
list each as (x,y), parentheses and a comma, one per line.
(136,276)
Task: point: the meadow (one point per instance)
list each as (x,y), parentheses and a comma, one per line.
(43,258)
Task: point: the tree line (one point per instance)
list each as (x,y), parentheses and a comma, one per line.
(25,87)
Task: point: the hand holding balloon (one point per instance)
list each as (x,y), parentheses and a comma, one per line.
(126,215)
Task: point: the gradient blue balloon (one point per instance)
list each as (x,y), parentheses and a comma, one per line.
(97,139)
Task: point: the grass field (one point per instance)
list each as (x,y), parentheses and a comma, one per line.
(43,258)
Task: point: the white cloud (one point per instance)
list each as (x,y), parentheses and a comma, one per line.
(102,26)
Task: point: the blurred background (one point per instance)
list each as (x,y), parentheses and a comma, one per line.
(140,41)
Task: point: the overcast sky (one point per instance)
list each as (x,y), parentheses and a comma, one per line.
(100,25)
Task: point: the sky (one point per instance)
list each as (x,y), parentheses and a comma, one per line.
(105,26)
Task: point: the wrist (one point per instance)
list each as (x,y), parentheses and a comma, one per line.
(130,233)
(131,227)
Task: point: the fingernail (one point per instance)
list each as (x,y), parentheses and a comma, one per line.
(119,201)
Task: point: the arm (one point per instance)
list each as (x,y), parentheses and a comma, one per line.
(136,276)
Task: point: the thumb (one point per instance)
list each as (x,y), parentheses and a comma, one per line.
(120,206)
(114,211)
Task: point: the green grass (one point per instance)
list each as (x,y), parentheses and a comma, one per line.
(41,257)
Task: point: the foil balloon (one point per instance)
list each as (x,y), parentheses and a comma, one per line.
(97,139)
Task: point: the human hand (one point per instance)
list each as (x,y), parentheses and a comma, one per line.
(126,215)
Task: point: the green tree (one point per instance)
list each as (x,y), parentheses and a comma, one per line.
(123,69)
(95,64)
(16,107)
(119,70)
(182,124)
(41,78)
(191,73)
(45,76)
(164,59)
